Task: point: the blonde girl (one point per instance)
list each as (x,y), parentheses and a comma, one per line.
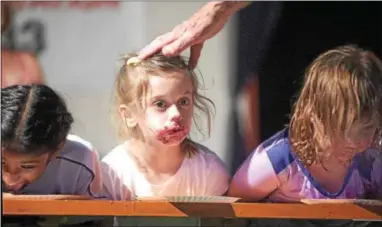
(155,102)
(332,147)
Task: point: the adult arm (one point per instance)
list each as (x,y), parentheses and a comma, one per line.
(203,25)
(33,68)
(20,68)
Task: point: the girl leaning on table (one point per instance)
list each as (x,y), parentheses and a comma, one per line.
(332,147)
(156,100)
(38,155)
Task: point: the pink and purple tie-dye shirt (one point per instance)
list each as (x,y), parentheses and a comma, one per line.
(273,172)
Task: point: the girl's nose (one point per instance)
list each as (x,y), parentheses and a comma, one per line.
(174,113)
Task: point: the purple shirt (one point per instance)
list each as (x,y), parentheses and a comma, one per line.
(75,171)
(273,172)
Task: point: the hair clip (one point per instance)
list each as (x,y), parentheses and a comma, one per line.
(134,61)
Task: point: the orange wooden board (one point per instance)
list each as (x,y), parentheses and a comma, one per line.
(168,209)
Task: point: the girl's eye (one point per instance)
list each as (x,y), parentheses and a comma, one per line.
(160,104)
(28,166)
(184,102)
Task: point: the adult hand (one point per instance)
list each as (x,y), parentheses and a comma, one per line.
(203,25)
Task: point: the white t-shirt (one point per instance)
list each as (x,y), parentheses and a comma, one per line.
(199,175)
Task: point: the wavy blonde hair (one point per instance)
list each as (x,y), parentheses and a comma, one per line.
(131,87)
(342,88)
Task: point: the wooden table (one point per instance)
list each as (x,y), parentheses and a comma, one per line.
(167,209)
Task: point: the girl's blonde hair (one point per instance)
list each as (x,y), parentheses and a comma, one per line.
(342,88)
(131,87)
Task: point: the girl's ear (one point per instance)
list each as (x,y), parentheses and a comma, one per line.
(127,116)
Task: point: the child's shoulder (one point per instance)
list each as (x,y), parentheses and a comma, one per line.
(119,154)
(276,150)
(206,155)
(203,151)
(76,142)
(75,165)
(279,140)
(79,150)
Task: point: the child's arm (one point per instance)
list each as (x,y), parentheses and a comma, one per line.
(255,179)
(31,63)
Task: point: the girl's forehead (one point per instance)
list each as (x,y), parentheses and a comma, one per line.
(169,74)
(169,82)
(14,156)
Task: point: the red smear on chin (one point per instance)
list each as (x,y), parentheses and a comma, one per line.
(165,135)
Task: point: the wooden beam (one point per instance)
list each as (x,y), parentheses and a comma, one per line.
(166,209)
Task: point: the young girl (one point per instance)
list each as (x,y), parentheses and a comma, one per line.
(154,106)
(38,155)
(324,153)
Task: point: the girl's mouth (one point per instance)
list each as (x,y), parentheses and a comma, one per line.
(14,188)
(173,133)
(173,130)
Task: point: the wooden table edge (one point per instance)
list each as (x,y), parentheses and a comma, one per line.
(167,209)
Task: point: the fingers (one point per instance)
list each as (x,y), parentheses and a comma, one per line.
(180,44)
(173,44)
(156,45)
(196,50)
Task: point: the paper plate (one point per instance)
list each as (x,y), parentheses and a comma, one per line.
(334,201)
(8,196)
(191,199)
